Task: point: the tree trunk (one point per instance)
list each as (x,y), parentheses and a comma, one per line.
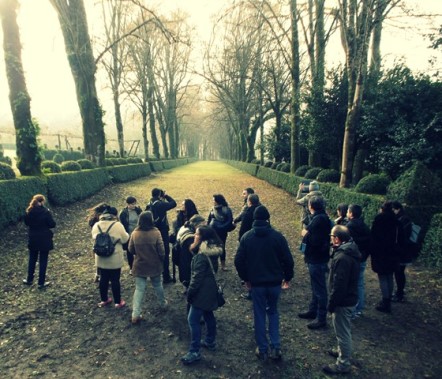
(144,130)
(358,165)
(28,155)
(73,22)
(119,123)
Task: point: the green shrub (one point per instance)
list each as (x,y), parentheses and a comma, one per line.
(268,164)
(86,164)
(6,160)
(255,161)
(70,166)
(285,167)
(417,186)
(68,155)
(301,170)
(156,166)
(375,184)
(122,174)
(279,166)
(312,173)
(109,161)
(119,161)
(50,167)
(132,160)
(58,158)
(274,165)
(6,172)
(431,253)
(250,168)
(328,176)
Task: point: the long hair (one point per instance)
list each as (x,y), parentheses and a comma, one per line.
(208,234)
(145,221)
(342,208)
(95,212)
(190,208)
(36,201)
(220,200)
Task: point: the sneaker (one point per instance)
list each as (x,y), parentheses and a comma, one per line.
(130,272)
(44,285)
(275,354)
(26,282)
(247,296)
(208,346)
(309,315)
(285,285)
(190,358)
(104,303)
(121,304)
(317,325)
(262,356)
(336,369)
(333,353)
(97,279)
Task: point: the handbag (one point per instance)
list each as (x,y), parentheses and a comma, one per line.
(220,293)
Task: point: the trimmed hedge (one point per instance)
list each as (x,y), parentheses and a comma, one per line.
(122,174)
(373,184)
(312,173)
(6,172)
(250,168)
(301,170)
(156,166)
(70,166)
(86,164)
(16,195)
(431,253)
(50,167)
(328,176)
(68,187)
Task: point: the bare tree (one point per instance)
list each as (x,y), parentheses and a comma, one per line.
(28,155)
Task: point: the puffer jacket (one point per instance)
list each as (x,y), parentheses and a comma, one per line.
(344,275)
(202,291)
(148,249)
(119,237)
(40,222)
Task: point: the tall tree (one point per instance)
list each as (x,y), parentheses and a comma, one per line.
(28,155)
(73,22)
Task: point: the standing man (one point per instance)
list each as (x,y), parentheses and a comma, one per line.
(302,199)
(245,195)
(343,286)
(317,245)
(263,261)
(159,205)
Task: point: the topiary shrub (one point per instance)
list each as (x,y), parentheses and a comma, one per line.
(6,172)
(417,186)
(70,166)
(329,176)
(268,164)
(431,253)
(50,167)
(285,167)
(301,170)
(132,160)
(312,173)
(375,184)
(120,161)
(58,158)
(86,164)
(255,161)
(274,165)
(6,160)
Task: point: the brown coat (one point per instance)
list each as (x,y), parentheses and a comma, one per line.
(148,249)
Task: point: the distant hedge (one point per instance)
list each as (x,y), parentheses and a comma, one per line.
(122,174)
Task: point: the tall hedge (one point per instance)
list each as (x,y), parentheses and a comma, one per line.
(122,174)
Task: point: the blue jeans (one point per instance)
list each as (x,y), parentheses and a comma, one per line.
(342,325)
(140,289)
(318,303)
(360,306)
(193,319)
(265,302)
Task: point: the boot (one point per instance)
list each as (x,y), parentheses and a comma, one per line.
(384,306)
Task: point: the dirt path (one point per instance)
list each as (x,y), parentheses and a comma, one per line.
(60,333)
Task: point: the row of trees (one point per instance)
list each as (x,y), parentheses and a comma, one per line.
(264,68)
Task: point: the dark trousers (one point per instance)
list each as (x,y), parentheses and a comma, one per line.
(113,276)
(318,282)
(43,264)
(223,237)
(130,258)
(165,237)
(399,275)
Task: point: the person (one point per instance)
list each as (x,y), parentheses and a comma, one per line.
(185,238)
(147,247)
(220,219)
(263,260)
(386,232)
(94,214)
(245,195)
(188,209)
(343,288)
(247,218)
(317,241)
(303,200)
(110,267)
(406,252)
(159,205)
(39,220)
(129,218)
(361,234)
(341,211)
(202,291)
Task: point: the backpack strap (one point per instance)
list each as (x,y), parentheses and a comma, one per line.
(109,228)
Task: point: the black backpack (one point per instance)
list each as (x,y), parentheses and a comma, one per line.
(103,246)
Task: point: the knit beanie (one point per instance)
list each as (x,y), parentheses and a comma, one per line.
(261,213)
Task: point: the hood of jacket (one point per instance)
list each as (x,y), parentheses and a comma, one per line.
(348,248)
(210,250)
(261,228)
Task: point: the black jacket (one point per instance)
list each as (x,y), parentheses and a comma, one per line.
(317,239)
(361,234)
(124,217)
(40,222)
(344,275)
(263,257)
(159,208)
(247,221)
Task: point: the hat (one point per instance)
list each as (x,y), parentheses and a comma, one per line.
(261,213)
(313,186)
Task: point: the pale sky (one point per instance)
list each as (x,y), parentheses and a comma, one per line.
(50,82)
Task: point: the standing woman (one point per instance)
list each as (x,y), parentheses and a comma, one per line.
(110,267)
(202,291)
(188,209)
(40,222)
(147,247)
(221,220)
(386,234)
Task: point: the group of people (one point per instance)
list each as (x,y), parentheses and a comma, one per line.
(263,261)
